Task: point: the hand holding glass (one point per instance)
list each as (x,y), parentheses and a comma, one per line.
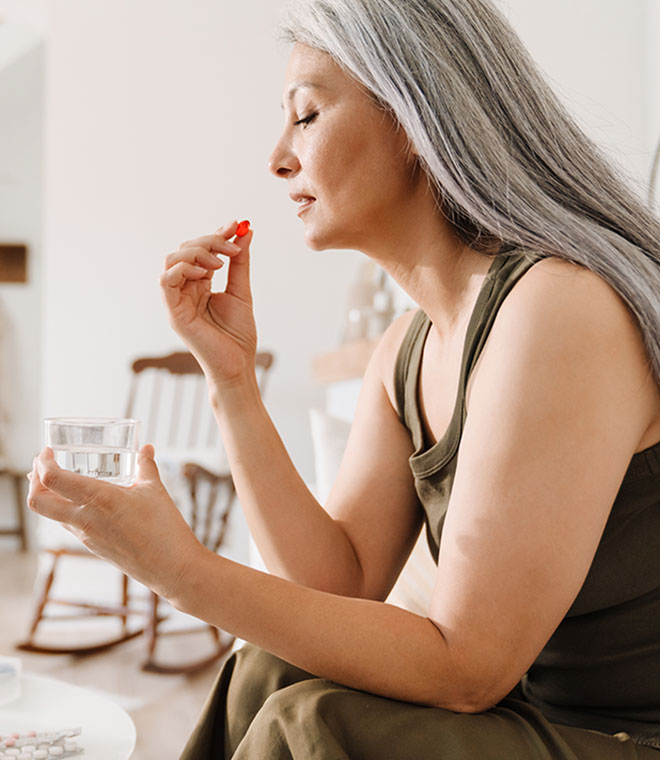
(101,448)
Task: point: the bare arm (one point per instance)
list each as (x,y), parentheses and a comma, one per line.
(358,543)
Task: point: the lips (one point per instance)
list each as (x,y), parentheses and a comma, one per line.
(304,201)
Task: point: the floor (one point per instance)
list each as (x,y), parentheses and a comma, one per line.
(164,708)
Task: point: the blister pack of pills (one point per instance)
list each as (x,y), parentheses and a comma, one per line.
(40,745)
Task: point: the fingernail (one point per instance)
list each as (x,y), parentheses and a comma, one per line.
(233,246)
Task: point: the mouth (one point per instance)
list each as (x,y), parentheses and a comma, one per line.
(305,202)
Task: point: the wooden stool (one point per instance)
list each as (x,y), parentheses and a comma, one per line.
(20,529)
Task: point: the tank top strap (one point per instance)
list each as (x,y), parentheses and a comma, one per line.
(503,274)
(405,374)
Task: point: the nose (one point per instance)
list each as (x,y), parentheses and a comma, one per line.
(283,161)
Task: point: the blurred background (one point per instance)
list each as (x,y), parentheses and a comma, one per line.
(127,127)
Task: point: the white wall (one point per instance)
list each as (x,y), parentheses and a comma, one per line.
(22,28)
(21,180)
(593,53)
(652,49)
(161,120)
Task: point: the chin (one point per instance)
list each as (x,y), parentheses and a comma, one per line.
(315,245)
(319,240)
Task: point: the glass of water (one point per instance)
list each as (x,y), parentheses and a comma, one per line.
(103,448)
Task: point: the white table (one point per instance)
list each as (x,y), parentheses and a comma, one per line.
(108,732)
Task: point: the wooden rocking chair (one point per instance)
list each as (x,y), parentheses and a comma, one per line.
(168,394)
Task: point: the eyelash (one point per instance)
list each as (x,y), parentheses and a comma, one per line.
(306,121)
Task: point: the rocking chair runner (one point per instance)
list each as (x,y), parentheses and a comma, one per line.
(190,460)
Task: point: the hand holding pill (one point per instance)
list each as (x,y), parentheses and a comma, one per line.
(218,327)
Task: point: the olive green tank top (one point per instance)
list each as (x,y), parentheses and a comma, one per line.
(601,668)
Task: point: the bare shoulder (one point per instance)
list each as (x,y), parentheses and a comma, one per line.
(568,285)
(561,298)
(387,350)
(571,321)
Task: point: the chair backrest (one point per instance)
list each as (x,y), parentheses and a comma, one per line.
(168,394)
(209,501)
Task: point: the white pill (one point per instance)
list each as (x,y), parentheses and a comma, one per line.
(55,751)
(40,754)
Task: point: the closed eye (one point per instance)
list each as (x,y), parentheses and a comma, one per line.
(306,121)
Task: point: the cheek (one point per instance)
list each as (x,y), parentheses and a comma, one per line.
(393,170)
(324,162)
(376,167)
(359,173)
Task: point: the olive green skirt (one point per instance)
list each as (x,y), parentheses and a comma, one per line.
(262,708)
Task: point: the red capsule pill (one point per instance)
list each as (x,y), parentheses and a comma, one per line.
(243,228)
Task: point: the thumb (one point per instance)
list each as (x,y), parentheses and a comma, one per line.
(238,277)
(147,467)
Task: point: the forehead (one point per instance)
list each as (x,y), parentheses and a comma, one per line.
(309,67)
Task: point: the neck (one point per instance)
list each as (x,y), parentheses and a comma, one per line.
(421,252)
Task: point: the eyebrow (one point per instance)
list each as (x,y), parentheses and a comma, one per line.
(305,84)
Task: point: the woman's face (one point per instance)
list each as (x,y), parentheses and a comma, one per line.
(346,163)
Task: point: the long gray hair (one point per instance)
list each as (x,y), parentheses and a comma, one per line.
(509,166)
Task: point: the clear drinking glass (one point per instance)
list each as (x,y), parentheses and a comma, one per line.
(98,447)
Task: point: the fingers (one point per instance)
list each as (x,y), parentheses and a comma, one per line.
(180,273)
(218,242)
(238,279)
(147,467)
(173,280)
(75,488)
(219,237)
(203,251)
(228,230)
(194,250)
(46,502)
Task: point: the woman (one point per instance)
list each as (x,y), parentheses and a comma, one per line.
(419,133)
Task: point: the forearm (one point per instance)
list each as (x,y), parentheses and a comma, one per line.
(297,538)
(363,644)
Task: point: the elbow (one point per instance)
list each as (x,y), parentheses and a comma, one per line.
(470,677)
(474,700)
(477,685)
(483,685)
(482,689)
